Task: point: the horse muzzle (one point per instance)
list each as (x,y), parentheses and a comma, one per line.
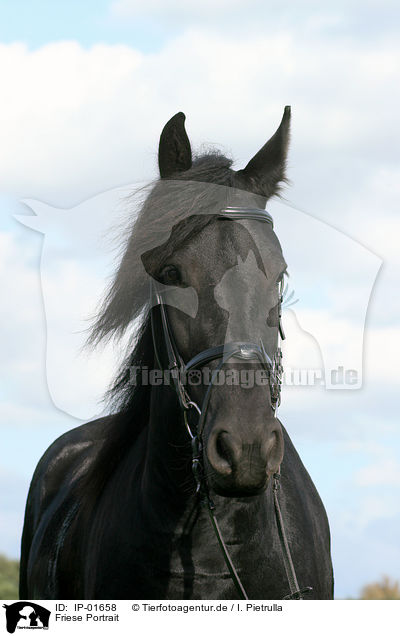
(240,463)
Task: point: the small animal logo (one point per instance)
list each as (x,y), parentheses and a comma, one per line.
(26,615)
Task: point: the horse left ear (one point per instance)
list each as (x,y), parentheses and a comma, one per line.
(267,168)
(174,151)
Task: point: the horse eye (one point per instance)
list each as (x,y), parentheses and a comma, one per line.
(170,275)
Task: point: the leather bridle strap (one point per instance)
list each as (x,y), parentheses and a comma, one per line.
(295,591)
(175,362)
(231,568)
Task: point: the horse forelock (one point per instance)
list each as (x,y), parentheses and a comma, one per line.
(169,202)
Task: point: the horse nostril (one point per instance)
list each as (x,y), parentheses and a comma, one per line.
(223,452)
(274,450)
(222,446)
(271,442)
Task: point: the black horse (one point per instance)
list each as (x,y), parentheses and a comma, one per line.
(120,507)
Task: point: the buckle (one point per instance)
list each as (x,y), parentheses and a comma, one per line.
(298,594)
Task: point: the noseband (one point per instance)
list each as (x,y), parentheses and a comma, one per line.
(225,352)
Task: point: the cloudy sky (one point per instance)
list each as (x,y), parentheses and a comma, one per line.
(86,90)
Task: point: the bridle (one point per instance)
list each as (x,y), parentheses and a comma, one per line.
(232,350)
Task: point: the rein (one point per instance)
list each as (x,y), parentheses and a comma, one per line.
(224,353)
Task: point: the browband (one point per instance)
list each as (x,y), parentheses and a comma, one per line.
(240,213)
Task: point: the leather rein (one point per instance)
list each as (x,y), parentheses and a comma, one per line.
(238,350)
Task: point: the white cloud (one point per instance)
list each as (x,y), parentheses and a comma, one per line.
(385,472)
(309,17)
(77,121)
(66,116)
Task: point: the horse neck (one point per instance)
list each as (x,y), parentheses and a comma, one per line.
(168,480)
(168,452)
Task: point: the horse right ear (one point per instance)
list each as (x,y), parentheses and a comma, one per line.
(174,151)
(267,168)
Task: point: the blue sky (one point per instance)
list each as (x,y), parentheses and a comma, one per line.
(43,21)
(148,26)
(88,88)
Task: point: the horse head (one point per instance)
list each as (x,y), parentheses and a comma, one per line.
(216,247)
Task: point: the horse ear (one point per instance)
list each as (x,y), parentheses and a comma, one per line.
(267,168)
(174,151)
